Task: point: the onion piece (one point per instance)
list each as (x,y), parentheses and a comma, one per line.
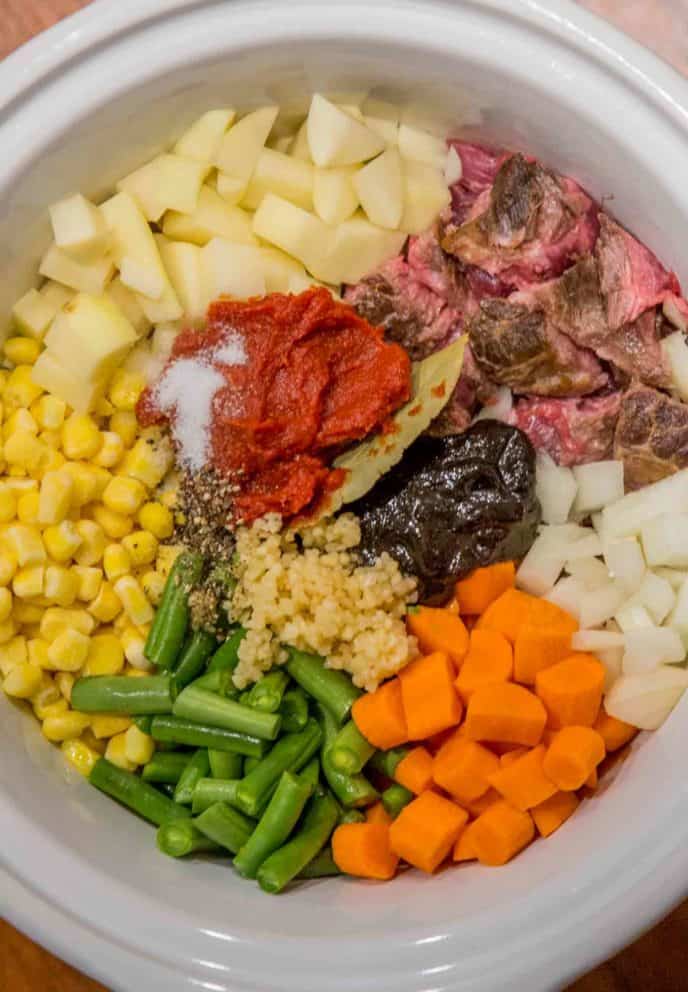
(586,547)
(500,408)
(597,640)
(601,604)
(567,594)
(649,647)
(675,352)
(555,488)
(625,562)
(592,572)
(631,616)
(611,659)
(647,699)
(678,618)
(627,516)
(656,595)
(540,568)
(453,168)
(665,540)
(599,484)
(674,576)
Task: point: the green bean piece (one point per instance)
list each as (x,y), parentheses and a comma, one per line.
(266,695)
(350,750)
(148,695)
(294,710)
(209,791)
(181,731)
(226,826)
(323,865)
(333,689)
(167,633)
(226,658)
(181,837)
(166,767)
(290,753)
(166,788)
(133,792)
(351,816)
(350,790)
(198,767)
(250,764)
(219,681)
(395,798)
(275,825)
(193,658)
(385,762)
(288,861)
(143,723)
(208,708)
(224,764)
(311,773)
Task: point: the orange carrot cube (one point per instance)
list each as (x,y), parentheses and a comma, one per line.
(523,783)
(489,659)
(483,586)
(414,771)
(537,647)
(615,733)
(571,690)
(426,830)
(463,768)
(431,703)
(500,833)
(550,814)
(380,716)
(572,756)
(363,849)
(507,713)
(438,630)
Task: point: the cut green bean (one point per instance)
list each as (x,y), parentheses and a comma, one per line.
(385,762)
(167,633)
(209,791)
(350,790)
(350,750)
(266,695)
(219,681)
(166,767)
(181,837)
(181,731)
(133,792)
(294,710)
(288,861)
(149,694)
(224,764)
(198,767)
(290,753)
(333,689)
(311,773)
(351,816)
(226,658)
(395,798)
(323,865)
(193,658)
(275,825)
(225,825)
(143,723)
(166,788)
(208,708)
(250,764)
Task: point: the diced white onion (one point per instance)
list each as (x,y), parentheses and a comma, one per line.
(646,700)
(567,594)
(678,618)
(500,409)
(453,169)
(587,547)
(649,647)
(591,571)
(540,568)
(631,616)
(656,595)
(599,484)
(674,576)
(611,659)
(555,488)
(625,562)
(665,540)
(675,351)
(601,604)
(597,640)
(628,515)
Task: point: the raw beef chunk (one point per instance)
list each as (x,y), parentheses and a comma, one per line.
(571,431)
(651,436)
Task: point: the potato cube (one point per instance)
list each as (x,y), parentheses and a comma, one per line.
(81,394)
(94,330)
(337,138)
(358,248)
(203,138)
(419,145)
(213,217)
(235,270)
(83,276)
(168,182)
(425,196)
(240,147)
(183,264)
(380,188)
(140,278)
(79,227)
(32,314)
(334,195)
(283,274)
(278,173)
(294,230)
(128,303)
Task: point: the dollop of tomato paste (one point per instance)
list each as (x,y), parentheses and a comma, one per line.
(317,378)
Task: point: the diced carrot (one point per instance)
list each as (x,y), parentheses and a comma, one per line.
(512,755)
(615,733)
(478,806)
(463,849)
(414,771)
(489,660)
(434,743)
(453,607)
(439,630)
(593,780)
(548,735)
(505,712)
(426,830)
(536,648)
(501,748)
(431,703)
(524,782)
(573,754)
(378,814)
(514,609)
(484,585)
(380,716)
(363,849)
(501,832)
(463,768)
(550,814)
(572,691)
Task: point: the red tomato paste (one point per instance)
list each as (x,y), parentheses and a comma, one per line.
(317,378)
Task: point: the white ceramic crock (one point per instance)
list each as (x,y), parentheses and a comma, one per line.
(81,105)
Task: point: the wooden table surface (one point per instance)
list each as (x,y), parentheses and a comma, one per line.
(656,962)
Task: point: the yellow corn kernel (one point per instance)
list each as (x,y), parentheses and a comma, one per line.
(106,605)
(46,696)
(65,726)
(141,546)
(106,725)
(50,412)
(80,755)
(125,389)
(55,620)
(89,581)
(4,376)
(65,683)
(167,555)
(8,566)
(138,747)
(21,351)
(150,459)
(24,540)
(37,650)
(22,681)
(133,599)
(27,508)
(89,738)
(13,652)
(114,524)
(92,542)
(80,436)
(124,423)
(133,644)
(105,656)
(61,585)
(20,389)
(116,753)
(8,505)
(20,486)
(62,540)
(157,519)
(83,483)
(68,651)
(14,471)
(104,408)
(20,420)
(29,581)
(7,631)
(5,604)
(116,561)
(134,673)
(112,450)
(124,495)
(52,440)
(153,583)
(102,477)
(23,450)
(55,497)
(53,461)
(43,711)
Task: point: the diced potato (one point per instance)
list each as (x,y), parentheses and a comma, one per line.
(212,218)
(380,188)
(334,195)
(283,274)
(92,334)
(425,196)
(81,394)
(294,230)
(168,182)
(163,338)
(278,173)
(337,138)
(358,248)
(202,140)
(384,109)
(388,130)
(183,264)
(231,269)
(32,314)
(56,295)
(229,188)
(419,145)
(299,147)
(140,278)
(79,227)
(83,276)
(240,147)
(128,303)
(281,144)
